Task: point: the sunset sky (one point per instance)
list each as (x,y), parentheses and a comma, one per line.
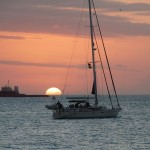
(37,38)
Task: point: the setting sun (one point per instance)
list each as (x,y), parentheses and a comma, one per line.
(53,91)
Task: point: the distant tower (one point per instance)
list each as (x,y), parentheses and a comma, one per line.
(8,83)
(16,89)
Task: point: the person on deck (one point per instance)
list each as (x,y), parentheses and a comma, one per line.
(60,106)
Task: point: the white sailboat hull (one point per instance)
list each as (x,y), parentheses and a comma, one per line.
(85,114)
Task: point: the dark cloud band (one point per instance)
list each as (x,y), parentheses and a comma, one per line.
(61,17)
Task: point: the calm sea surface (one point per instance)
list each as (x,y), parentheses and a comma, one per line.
(25,124)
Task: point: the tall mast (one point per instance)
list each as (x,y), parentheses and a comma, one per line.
(93,55)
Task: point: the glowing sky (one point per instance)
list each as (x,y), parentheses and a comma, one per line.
(37,37)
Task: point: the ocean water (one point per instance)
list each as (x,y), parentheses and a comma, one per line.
(25,124)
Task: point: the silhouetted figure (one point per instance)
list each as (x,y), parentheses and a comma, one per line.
(60,106)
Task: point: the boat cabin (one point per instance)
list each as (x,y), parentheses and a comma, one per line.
(78,104)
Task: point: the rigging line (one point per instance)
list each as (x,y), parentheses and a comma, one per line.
(86,68)
(87,46)
(86,80)
(103,69)
(73,48)
(106,54)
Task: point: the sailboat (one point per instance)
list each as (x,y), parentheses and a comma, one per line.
(79,107)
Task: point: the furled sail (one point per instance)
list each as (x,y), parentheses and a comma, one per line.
(93,89)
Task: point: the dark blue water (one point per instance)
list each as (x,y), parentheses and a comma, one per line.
(25,124)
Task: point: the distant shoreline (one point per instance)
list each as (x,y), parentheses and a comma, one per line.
(23,95)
